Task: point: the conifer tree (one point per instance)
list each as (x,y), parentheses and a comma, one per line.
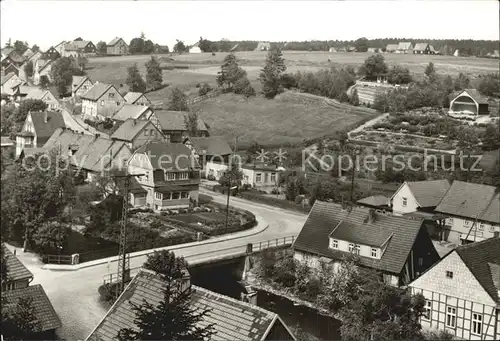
(134,80)
(270,75)
(154,77)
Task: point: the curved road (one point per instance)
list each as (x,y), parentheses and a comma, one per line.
(74,293)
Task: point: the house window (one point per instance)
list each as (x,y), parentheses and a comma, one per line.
(273,177)
(466,223)
(477,324)
(404,201)
(170,176)
(158,195)
(427,310)
(481,227)
(111,95)
(335,244)
(258,177)
(351,247)
(374,252)
(357,248)
(354,248)
(176,195)
(420,261)
(449,221)
(183,176)
(117,103)
(492,228)
(449,274)
(451,315)
(152,132)
(184,195)
(102,103)
(146,132)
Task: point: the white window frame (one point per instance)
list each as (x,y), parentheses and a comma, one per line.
(357,249)
(451,316)
(374,252)
(273,177)
(427,310)
(335,244)
(477,324)
(404,201)
(169,176)
(449,274)
(158,196)
(179,195)
(481,227)
(183,176)
(492,228)
(184,195)
(466,222)
(258,177)
(351,247)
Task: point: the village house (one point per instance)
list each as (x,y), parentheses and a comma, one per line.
(10,85)
(78,48)
(12,68)
(18,286)
(413,196)
(101,101)
(51,54)
(117,47)
(231,319)
(262,46)
(137,112)
(472,211)
(32,59)
(212,154)
(261,176)
(332,50)
(462,292)
(28,53)
(423,48)
(174,128)
(80,85)
(137,98)
(37,129)
(11,56)
(35,93)
(377,202)
(398,247)
(468,103)
(135,133)
(171,176)
(42,68)
(60,47)
(391,48)
(404,47)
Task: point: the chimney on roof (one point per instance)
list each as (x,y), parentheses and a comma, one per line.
(45,117)
(97,136)
(372,216)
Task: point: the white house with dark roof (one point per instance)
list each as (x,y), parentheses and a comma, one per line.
(137,98)
(423,48)
(80,85)
(232,319)
(472,211)
(468,103)
(45,95)
(117,47)
(10,85)
(173,125)
(212,154)
(135,133)
(42,68)
(260,175)
(413,196)
(404,47)
(101,100)
(397,247)
(462,292)
(137,112)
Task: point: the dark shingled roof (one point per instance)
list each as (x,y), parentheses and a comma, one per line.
(429,193)
(474,94)
(471,200)
(96,91)
(375,200)
(324,217)
(16,270)
(132,97)
(130,128)
(45,130)
(366,234)
(169,155)
(130,111)
(211,145)
(174,120)
(483,260)
(232,319)
(114,41)
(43,309)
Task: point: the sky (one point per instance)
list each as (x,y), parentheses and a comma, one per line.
(46,23)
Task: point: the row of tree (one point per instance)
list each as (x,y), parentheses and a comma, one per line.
(21,46)
(154,77)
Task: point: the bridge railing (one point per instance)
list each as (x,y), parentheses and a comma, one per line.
(239,250)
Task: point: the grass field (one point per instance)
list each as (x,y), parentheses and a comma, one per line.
(287,120)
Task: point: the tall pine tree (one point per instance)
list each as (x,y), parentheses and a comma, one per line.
(173,318)
(154,77)
(270,75)
(178,100)
(134,80)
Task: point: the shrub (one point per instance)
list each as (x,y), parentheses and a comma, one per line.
(204,89)
(299,198)
(284,272)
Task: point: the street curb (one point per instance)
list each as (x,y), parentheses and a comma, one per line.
(57,267)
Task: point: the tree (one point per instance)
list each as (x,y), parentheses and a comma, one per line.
(230,73)
(149,47)
(491,137)
(225,45)
(134,79)
(354,100)
(35,48)
(178,100)
(490,85)
(154,76)
(430,72)
(399,75)
(136,46)
(179,47)
(102,47)
(44,82)
(205,45)
(173,318)
(361,45)
(28,68)
(20,47)
(461,82)
(62,73)
(191,123)
(49,237)
(373,66)
(19,322)
(231,177)
(270,75)
(4,270)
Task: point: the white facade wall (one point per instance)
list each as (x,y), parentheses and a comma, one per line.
(459,228)
(215,169)
(404,201)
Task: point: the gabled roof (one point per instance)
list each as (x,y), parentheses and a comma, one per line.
(130,111)
(232,319)
(35,54)
(165,155)
(471,200)
(324,217)
(78,81)
(475,95)
(391,47)
(33,92)
(115,41)
(428,193)
(421,46)
(483,260)
(132,97)
(97,90)
(210,145)
(77,45)
(44,312)
(44,63)
(16,270)
(28,53)
(404,46)
(44,130)
(11,83)
(131,128)
(174,120)
(7,77)
(375,200)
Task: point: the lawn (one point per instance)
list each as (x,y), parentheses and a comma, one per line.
(288,119)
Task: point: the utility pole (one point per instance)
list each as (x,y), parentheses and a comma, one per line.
(123,257)
(352,177)
(228,194)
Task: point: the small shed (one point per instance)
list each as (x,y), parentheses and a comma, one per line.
(262,46)
(469,101)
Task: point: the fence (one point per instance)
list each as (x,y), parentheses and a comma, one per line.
(214,93)
(59,259)
(239,250)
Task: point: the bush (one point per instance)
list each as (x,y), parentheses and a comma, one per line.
(284,272)
(204,89)
(299,198)
(288,81)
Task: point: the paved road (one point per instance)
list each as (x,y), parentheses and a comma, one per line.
(74,293)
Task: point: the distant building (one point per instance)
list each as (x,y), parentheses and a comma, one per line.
(10,85)
(137,98)
(137,112)
(195,48)
(413,196)
(212,154)
(101,100)
(262,46)
(397,247)
(462,292)
(391,48)
(457,53)
(423,48)
(373,49)
(60,47)
(136,133)
(332,50)
(116,47)
(174,128)
(42,68)
(469,102)
(78,48)
(33,92)
(404,47)
(261,176)
(80,85)
(378,202)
